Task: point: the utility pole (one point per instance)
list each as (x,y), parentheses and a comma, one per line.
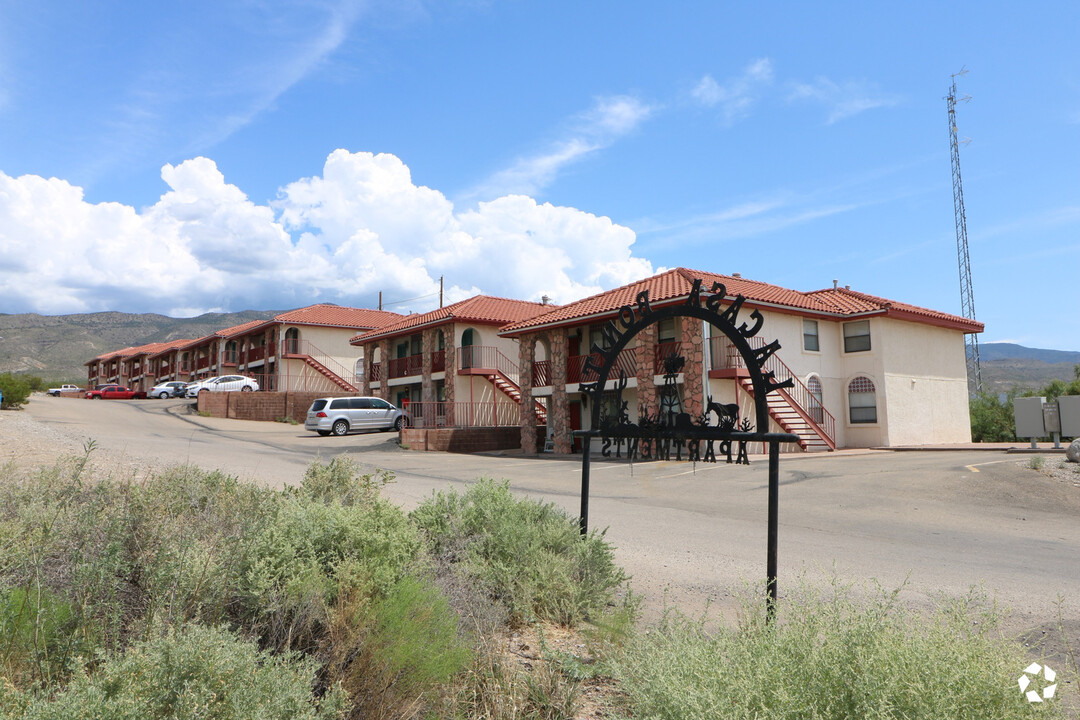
(967,294)
(440,290)
(380,299)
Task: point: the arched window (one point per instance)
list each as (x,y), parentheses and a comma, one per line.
(817,409)
(862,401)
(359,371)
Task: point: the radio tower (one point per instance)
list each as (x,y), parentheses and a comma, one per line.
(967,295)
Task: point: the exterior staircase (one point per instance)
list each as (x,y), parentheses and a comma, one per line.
(317,361)
(499,370)
(513,391)
(330,374)
(796,419)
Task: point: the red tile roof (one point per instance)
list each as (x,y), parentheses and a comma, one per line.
(480,309)
(240,329)
(338,316)
(676,284)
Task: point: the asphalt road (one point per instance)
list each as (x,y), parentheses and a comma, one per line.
(932,521)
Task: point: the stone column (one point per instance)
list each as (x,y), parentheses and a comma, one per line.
(646,358)
(427,387)
(559,417)
(693,350)
(365,381)
(384,359)
(449,338)
(526,356)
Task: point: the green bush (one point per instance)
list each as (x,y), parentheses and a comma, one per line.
(16,390)
(991,418)
(829,657)
(197,672)
(528,555)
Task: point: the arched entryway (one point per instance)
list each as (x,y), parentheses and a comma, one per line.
(292,341)
(468,340)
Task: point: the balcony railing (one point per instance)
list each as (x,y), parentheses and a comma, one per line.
(663,350)
(202,363)
(464,414)
(408,366)
(376,372)
(255,353)
(626,364)
(438,361)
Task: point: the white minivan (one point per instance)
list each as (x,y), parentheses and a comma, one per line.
(339,416)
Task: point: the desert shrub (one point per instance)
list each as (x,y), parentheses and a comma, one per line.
(395,655)
(992,418)
(527,554)
(16,390)
(829,657)
(197,672)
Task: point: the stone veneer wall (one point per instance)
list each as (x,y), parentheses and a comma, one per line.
(427,387)
(559,419)
(526,357)
(365,384)
(384,358)
(450,340)
(265,406)
(693,349)
(646,359)
(463,440)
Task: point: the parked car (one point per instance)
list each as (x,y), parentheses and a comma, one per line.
(55,392)
(225,383)
(173,388)
(114,392)
(339,416)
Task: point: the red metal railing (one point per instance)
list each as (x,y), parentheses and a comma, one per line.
(376,372)
(487,358)
(673,347)
(541,373)
(407,366)
(464,414)
(438,361)
(626,363)
(292,346)
(202,363)
(724,356)
(254,354)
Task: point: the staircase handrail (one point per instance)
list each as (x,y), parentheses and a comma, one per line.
(804,400)
(296,346)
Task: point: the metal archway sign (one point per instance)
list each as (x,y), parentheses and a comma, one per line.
(655,435)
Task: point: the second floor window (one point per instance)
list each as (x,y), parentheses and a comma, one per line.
(810,336)
(857,336)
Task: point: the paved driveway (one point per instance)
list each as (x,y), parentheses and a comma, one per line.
(940,521)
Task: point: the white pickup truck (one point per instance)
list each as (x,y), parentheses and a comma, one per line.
(55,392)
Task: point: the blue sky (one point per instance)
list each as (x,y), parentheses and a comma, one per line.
(200,156)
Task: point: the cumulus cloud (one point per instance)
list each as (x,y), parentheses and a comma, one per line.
(842,100)
(360,227)
(737,95)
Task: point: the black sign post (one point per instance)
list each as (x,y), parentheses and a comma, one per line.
(659,435)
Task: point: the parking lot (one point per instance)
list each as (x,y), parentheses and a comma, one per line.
(690,535)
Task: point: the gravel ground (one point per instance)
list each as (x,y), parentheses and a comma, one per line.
(26,443)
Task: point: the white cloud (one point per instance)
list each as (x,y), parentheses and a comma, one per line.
(359,228)
(843,101)
(736,96)
(609,119)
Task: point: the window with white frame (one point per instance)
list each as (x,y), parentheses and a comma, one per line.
(862,401)
(810,336)
(857,336)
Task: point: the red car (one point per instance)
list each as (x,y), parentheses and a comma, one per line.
(114,392)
